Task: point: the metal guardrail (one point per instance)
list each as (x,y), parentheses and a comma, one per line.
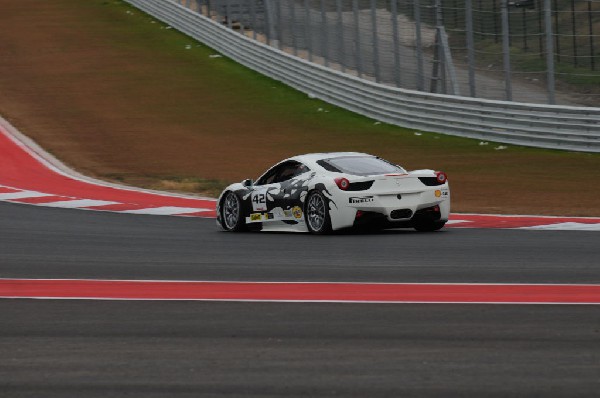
(544,126)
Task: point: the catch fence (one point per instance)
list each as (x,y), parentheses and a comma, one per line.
(536,51)
(540,125)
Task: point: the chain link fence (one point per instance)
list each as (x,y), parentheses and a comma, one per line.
(537,51)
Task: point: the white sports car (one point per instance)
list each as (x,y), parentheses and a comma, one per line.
(324,192)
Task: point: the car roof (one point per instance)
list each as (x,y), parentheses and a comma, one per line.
(314,157)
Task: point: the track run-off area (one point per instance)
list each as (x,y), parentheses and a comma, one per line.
(31,176)
(121,302)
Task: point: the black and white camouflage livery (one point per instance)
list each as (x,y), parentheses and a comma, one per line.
(325,192)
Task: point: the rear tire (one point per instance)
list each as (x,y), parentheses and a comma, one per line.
(232,219)
(316,214)
(429,226)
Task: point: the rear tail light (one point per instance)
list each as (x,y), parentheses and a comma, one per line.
(441,177)
(342,183)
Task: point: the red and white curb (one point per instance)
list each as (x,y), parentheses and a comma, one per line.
(15,195)
(29,175)
(524,222)
(326,292)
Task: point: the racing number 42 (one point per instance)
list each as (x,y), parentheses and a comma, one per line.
(259,201)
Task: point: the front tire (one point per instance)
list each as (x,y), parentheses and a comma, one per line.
(231,213)
(316,214)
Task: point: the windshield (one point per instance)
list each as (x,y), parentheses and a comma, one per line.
(360,165)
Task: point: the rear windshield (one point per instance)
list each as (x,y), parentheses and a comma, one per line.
(360,165)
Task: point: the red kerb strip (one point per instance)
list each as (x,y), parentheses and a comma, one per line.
(43,199)
(284,291)
(8,190)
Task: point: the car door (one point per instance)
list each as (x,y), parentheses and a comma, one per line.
(279,189)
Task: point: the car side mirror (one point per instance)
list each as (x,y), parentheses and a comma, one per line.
(248,183)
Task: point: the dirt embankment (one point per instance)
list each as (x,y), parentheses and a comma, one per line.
(119,96)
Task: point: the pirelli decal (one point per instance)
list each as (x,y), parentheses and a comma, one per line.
(360,199)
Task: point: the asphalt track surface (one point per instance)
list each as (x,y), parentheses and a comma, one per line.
(157,348)
(38,242)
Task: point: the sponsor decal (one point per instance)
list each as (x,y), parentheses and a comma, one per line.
(269,216)
(438,193)
(278,212)
(287,213)
(297,212)
(360,199)
(255,217)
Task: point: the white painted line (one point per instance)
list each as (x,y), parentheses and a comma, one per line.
(306,282)
(22,195)
(290,301)
(566,226)
(166,210)
(75,204)
(450,222)
(522,216)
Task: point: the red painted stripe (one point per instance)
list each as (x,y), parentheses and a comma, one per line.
(8,190)
(43,199)
(120,207)
(285,291)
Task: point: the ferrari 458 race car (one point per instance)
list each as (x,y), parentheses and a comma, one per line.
(324,192)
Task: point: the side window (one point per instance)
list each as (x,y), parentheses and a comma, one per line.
(282,172)
(291,170)
(269,176)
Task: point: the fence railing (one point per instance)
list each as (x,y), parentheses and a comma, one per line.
(548,126)
(535,51)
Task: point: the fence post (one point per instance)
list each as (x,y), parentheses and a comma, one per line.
(419,45)
(549,51)
(274,25)
(506,50)
(268,21)
(556,26)
(279,25)
(375,40)
(396,41)
(325,33)
(340,27)
(470,46)
(307,33)
(228,17)
(293,27)
(242,21)
(357,37)
(591,33)
(574,29)
(441,65)
(540,7)
(253,18)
